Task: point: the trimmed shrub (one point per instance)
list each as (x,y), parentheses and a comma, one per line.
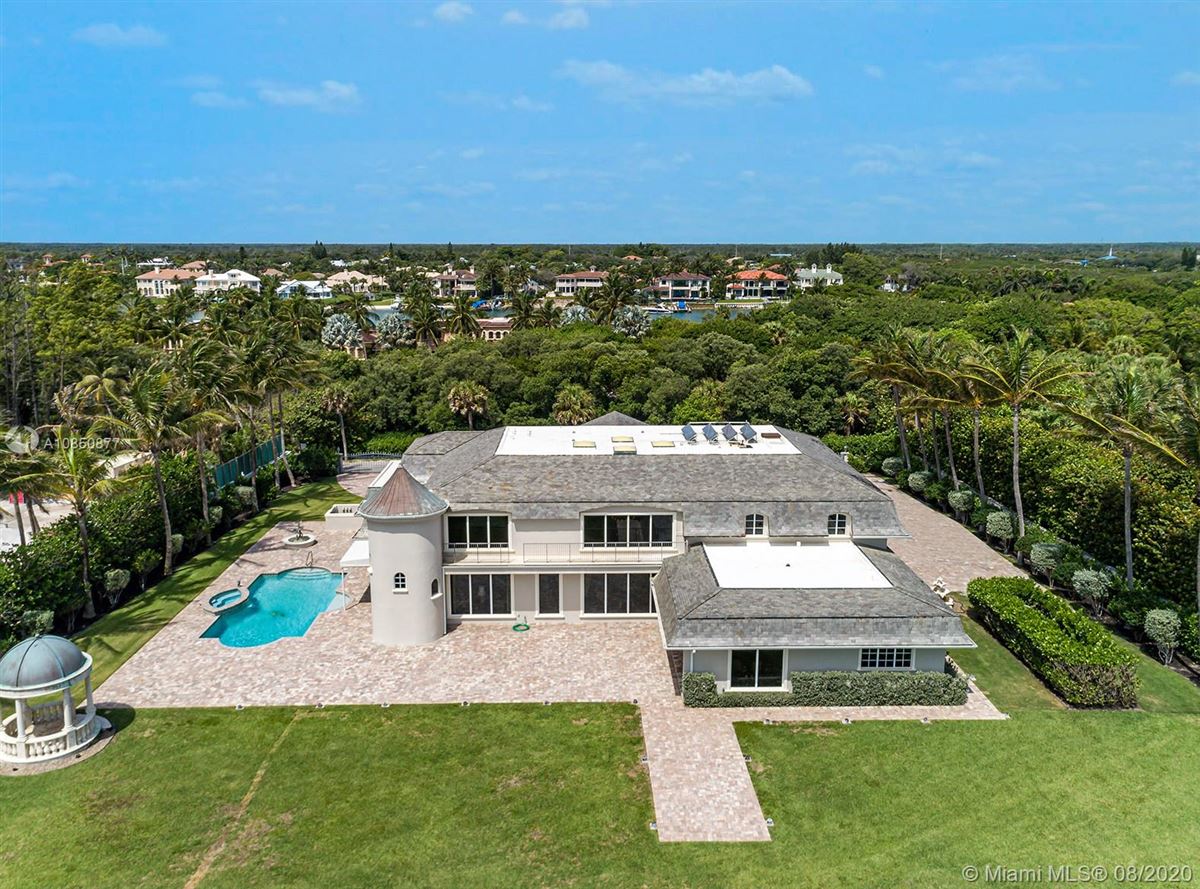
(937,491)
(245,496)
(1031,538)
(144,563)
(835,688)
(1000,525)
(115,582)
(1162,628)
(1044,558)
(878,689)
(962,500)
(919,481)
(1074,655)
(979,515)
(176,544)
(1093,587)
(891,465)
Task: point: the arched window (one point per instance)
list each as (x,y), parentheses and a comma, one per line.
(756,525)
(399,582)
(433,589)
(839,525)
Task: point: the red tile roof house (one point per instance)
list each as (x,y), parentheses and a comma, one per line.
(757,284)
(571,283)
(163,282)
(450,284)
(680,286)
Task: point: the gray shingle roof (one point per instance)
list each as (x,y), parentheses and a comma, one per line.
(615,418)
(697,612)
(715,492)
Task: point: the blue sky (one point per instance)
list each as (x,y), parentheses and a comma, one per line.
(618,121)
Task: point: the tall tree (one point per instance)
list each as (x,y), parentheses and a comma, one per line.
(469,399)
(1123,403)
(1016,372)
(461,319)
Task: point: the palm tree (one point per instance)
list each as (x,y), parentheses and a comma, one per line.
(1016,372)
(11,471)
(337,398)
(426,321)
(614,294)
(79,475)
(204,367)
(524,307)
(855,410)
(548,314)
(468,399)
(574,405)
(155,414)
(302,316)
(1179,441)
(884,364)
(1123,404)
(462,320)
(357,306)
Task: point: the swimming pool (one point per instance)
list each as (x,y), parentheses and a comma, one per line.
(279,605)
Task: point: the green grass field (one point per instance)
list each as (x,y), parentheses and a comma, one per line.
(499,796)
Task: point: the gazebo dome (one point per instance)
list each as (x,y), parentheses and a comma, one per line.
(38,661)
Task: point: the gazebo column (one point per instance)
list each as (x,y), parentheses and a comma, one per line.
(68,709)
(87,685)
(20,721)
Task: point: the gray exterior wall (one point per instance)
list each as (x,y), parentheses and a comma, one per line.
(801,660)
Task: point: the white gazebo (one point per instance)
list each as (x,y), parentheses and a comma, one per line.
(37,675)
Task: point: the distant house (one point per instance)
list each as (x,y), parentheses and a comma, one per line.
(494,329)
(892,285)
(632,257)
(274,273)
(357,282)
(449,284)
(312,289)
(572,283)
(164,282)
(230,280)
(158,262)
(807,278)
(196,265)
(757,284)
(680,286)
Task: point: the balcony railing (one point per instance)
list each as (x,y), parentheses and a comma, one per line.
(561,553)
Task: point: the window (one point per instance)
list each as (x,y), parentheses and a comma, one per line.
(838,525)
(756,668)
(477,531)
(480,594)
(756,525)
(434,590)
(617,594)
(549,594)
(628,530)
(399,583)
(885,659)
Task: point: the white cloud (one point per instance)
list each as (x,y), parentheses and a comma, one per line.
(974,160)
(514,17)
(47,182)
(568,19)
(331,95)
(470,154)
(459,191)
(874,72)
(109,35)
(1186,78)
(217,99)
(999,74)
(494,102)
(452,12)
(616,83)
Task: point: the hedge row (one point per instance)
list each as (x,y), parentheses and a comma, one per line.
(835,688)
(1073,654)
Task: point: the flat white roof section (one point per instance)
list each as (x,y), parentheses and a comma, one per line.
(836,565)
(357,555)
(656,441)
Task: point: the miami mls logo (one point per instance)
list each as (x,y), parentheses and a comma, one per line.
(21,440)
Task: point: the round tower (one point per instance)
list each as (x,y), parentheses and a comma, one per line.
(403,522)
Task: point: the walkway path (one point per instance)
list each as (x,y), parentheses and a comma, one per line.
(941,547)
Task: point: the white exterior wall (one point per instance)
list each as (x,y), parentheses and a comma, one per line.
(413,547)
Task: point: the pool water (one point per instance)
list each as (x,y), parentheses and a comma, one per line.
(279,605)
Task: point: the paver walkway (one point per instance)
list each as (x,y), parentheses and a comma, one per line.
(941,547)
(356,475)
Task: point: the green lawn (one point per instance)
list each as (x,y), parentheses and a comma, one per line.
(116,636)
(1006,681)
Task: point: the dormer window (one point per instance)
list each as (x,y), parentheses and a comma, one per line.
(839,525)
(756,525)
